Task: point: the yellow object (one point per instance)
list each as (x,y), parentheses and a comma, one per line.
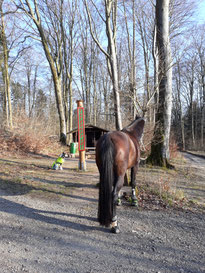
(57,164)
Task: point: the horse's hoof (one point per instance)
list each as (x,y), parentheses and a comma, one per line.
(115,230)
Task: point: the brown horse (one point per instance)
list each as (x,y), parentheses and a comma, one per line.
(115,153)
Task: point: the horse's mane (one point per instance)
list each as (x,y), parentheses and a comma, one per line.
(136,126)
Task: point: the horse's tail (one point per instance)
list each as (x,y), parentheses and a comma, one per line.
(105,203)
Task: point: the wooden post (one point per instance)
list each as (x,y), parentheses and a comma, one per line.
(81,136)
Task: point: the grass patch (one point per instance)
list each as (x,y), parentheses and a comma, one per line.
(15,186)
(161,187)
(32,179)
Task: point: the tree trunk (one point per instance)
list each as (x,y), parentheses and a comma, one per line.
(133,59)
(68,90)
(203,116)
(203,99)
(60,107)
(55,64)
(191,86)
(160,143)
(58,93)
(178,87)
(94,80)
(155,55)
(105,82)
(111,34)
(131,50)
(8,105)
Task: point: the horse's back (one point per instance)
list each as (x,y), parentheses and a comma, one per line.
(125,150)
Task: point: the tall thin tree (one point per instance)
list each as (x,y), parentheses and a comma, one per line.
(6,77)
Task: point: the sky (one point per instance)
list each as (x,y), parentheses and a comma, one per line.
(200,15)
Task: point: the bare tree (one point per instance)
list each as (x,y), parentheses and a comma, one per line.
(110,21)
(50,34)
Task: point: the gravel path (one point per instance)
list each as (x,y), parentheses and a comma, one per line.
(40,236)
(196,186)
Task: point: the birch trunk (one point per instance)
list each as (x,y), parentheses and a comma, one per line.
(156,72)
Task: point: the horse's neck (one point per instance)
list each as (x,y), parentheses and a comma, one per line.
(135,129)
(131,132)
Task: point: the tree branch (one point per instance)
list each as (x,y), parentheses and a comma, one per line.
(91,31)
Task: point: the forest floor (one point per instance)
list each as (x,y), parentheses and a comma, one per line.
(48,218)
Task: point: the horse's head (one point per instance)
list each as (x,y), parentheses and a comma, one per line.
(139,127)
(137,117)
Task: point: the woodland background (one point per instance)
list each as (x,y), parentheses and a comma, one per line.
(59,50)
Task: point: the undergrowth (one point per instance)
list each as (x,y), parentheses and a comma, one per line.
(159,187)
(28,136)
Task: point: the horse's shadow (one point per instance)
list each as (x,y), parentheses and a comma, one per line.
(50,217)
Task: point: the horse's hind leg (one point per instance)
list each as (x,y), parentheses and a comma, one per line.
(114,224)
(134,201)
(115,198)
(118,201)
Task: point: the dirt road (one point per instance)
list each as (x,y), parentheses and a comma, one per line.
(194,187)
(46,234)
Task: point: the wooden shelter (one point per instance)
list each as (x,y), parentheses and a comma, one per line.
(92,134)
